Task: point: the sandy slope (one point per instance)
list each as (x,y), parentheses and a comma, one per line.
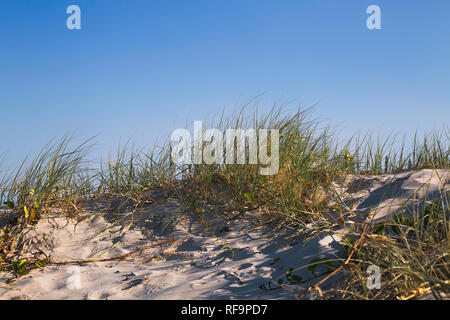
(202,262)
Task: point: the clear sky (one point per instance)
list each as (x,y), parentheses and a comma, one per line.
(143,68)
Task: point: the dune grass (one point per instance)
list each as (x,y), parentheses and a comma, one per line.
(312,158)
(412,253)
(55,174)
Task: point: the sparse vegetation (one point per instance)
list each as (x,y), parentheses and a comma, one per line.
(413,254)
(311,158)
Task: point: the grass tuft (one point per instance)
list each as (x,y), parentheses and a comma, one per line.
(414,258)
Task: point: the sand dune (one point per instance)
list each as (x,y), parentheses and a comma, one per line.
(204,261)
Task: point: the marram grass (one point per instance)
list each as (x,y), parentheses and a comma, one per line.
(311,159)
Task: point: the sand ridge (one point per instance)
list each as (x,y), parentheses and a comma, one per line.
(202,262)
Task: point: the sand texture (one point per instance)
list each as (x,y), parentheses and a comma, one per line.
(192,258)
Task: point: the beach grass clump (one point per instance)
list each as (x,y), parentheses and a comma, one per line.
(311,161)
(130,173)
(412,253)
(55,174)
(311,158)
(377,155)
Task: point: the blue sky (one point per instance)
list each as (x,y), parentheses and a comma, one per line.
(141,69)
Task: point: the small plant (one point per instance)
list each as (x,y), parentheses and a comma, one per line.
(20,268)
(292,278)
(379,230)
(249,197)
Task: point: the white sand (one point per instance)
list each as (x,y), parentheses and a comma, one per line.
(202,263)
